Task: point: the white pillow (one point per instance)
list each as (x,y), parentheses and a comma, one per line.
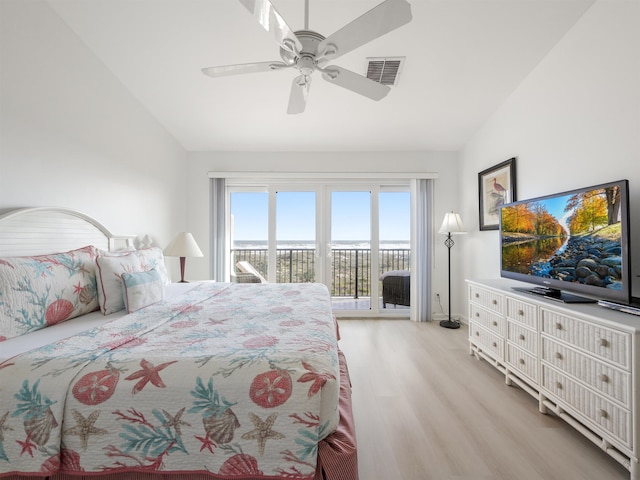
(110,270)
(141,289)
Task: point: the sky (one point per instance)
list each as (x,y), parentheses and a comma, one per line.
(555,206)
(350,216)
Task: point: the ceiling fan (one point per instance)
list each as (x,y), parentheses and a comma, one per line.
(308,51)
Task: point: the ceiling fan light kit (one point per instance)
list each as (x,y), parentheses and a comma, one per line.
(308,51)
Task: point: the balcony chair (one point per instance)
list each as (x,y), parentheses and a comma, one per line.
(247,274)
(396,288)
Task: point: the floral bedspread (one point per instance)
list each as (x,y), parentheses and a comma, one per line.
(233,379)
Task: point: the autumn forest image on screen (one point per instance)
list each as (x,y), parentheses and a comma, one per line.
(573,238)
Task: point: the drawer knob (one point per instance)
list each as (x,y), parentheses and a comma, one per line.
(478,314)
(477,333)
(521,312)
(494,323)
(558,326)
(558,355)
(603,378)
(521,361)
(495,345)
(521,337)
(603,413)
(494,301)
(603,342)
(477,295)
(559,385)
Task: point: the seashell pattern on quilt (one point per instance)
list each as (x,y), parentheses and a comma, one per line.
(235,380)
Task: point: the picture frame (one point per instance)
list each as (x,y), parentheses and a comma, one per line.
(496,186)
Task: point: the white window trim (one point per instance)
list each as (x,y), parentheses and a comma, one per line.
(288,178)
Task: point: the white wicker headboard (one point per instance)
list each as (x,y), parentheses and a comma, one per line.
(43,230)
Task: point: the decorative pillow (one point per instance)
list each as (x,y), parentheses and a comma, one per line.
(43,290)
(141,289)
(111,268)
(114,253)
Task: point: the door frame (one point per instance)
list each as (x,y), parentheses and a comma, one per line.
(324,184)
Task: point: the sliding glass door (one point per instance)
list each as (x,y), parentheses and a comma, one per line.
(249,232)
(350,249)
(345,236)
(295,222)
(394,248)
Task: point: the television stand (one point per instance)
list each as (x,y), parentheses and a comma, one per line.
(580,362)
(555,294)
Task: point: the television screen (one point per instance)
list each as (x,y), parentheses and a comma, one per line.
(575,241)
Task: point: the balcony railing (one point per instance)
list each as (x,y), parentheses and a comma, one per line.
(350,267)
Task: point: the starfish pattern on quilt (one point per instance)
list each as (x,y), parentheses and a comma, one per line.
(263,431)
(85,427)
(27,446)
(175,420)
(149,373)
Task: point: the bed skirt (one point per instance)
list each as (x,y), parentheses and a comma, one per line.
(337,454)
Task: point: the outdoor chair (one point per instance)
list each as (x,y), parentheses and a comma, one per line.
(247,274)
(396,288)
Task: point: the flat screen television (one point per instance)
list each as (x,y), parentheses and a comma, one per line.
(570,243)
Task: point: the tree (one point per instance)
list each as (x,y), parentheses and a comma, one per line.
(590,214)
(545,223)
(613,204)
(610,198)
(517,219)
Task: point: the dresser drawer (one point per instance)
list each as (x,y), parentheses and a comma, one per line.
(523,312)
(608,380)
(603,342)
(491,321)
(522,361)
(613,419)
(486,341)
(487,298)
(523,337)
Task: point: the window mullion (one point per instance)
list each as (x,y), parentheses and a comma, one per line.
(272,244)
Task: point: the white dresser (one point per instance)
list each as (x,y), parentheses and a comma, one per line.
(581,361)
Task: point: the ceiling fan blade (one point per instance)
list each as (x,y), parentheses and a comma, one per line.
(299,93)
(356,83)
(381,19)
(267,16)
(226,70)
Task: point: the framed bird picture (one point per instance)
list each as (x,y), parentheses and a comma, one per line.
(496,186)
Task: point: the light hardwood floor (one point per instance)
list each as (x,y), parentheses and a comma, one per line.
(425,409)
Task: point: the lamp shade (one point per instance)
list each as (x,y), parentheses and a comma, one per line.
(452,224)
(184,245)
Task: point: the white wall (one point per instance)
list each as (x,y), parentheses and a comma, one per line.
(72,136)
(445,164)
(574,122)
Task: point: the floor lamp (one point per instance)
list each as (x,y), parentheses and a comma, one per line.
(451,225)
(184,245)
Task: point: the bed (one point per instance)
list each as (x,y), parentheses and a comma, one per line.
(109,371)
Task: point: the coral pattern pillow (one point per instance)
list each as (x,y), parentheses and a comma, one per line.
(141,289)
(111,268)
(43,290)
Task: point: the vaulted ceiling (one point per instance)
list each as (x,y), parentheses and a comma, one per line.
(463,59)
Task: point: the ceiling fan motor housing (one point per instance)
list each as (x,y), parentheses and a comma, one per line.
(305,60)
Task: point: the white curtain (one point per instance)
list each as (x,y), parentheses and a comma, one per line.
(218,247)
(422,238)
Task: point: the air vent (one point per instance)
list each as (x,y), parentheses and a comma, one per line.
(384,70)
